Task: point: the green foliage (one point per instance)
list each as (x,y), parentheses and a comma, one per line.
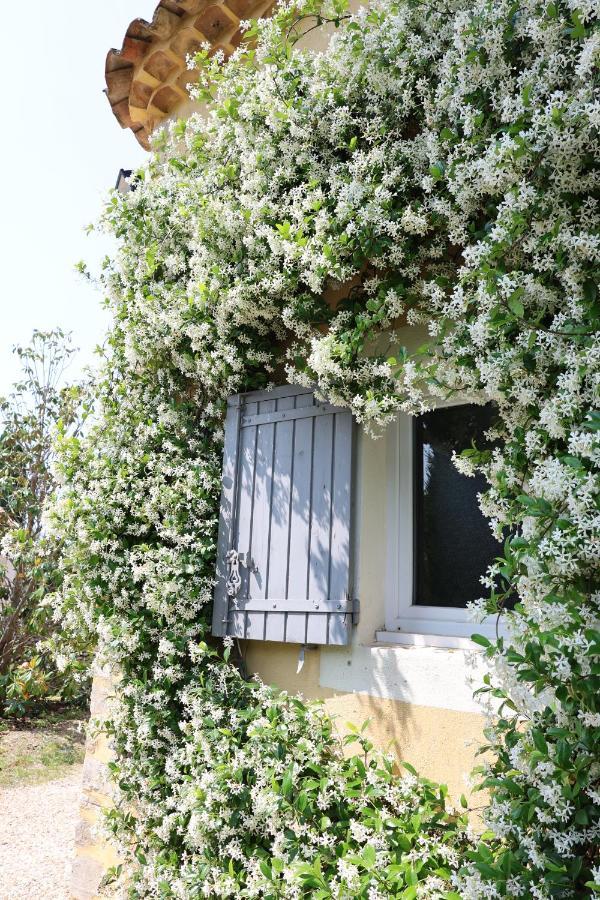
(37,411)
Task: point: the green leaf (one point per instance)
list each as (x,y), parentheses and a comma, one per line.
(539,741)
(265,868)
(514,303)
(592,422)
(481,640)
(368,856)
(284,229)
(578,31)
(287,784)
(590,291)
(526,94)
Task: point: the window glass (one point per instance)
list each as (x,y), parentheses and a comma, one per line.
(453,541)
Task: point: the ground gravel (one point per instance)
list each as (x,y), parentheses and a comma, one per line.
(37,831)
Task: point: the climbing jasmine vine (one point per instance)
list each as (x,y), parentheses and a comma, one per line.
(437,165)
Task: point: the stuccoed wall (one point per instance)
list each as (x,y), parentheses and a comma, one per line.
(440,742)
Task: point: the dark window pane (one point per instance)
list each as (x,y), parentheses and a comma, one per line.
(453,541)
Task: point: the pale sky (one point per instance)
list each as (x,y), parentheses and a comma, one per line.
(60,150)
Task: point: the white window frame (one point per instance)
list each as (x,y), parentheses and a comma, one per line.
(405,621)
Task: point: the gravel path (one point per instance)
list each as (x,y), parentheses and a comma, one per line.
(37,830)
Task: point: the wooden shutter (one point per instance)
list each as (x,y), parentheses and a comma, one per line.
(283,566)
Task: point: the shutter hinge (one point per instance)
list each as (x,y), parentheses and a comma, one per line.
(353,607)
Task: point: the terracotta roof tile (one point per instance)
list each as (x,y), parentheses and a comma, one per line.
(146,79)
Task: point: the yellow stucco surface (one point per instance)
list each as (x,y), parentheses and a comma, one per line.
(440,743)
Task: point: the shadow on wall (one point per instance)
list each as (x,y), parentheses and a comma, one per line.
(417,699)
(419,703)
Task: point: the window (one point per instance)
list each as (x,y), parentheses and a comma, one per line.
(440,543)
(453,543)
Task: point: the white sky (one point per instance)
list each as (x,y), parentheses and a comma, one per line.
(60,150)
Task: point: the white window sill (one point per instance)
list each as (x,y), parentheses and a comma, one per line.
(426,676)
(419,639)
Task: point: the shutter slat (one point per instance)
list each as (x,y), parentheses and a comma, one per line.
(295,632)
(316,628)
(243,525)
(261,506)
(338,628)
(300,511)
(255,626)
(237,624)
(286,508)
(318,570)
(280,506)
(275,626)
(341,510)
(226,515)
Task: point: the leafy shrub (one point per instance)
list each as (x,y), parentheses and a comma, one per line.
(37,410)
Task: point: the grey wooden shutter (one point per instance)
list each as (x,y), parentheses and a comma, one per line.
(283,565)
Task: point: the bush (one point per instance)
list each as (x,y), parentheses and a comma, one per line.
(35,413)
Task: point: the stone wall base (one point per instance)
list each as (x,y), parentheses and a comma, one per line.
(93,855)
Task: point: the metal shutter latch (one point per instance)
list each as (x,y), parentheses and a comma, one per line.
(234,560)
(234,580)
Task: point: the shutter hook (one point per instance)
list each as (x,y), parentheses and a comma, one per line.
(234,580)
(301,654)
